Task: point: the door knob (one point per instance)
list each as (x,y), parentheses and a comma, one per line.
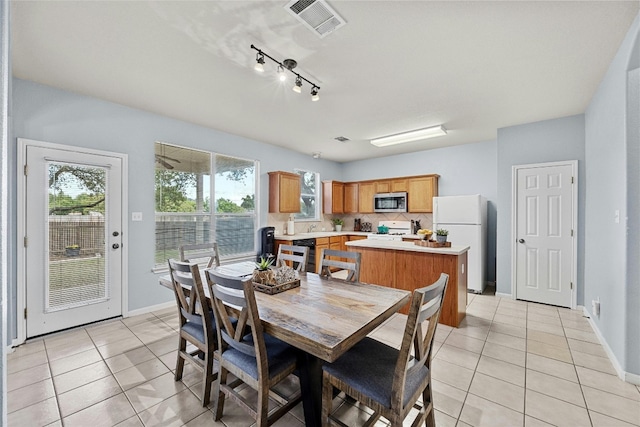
(115,246)
(521,241)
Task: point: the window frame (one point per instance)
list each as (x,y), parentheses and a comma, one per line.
(212,214)
(317,195)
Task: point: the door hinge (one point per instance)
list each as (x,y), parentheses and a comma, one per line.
(571,233)
(572,180)
(25,313)
(25,241)
(26,169)
(571,285)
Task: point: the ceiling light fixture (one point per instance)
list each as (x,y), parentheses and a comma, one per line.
(413,135)
(297,88)
(259,67)
(287,64)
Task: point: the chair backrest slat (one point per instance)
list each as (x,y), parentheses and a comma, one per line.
(425,306)
(295,254)
(353,267)
(205,254)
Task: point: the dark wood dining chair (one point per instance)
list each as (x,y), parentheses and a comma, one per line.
(204,254)
(197,325)
(335,259)
(253,357)
(387,380)
(295,254)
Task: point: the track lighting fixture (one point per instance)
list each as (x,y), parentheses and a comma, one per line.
(297,88)
(259,67)
(287,64)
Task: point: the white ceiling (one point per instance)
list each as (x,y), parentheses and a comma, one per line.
(473,67)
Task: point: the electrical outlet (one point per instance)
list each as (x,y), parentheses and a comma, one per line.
(136,216)
(595,307)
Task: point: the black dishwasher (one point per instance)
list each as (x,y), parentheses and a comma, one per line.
(311,244)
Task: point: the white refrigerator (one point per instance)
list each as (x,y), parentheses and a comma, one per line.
(466,219)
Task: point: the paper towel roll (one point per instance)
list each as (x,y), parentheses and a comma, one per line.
(290,228)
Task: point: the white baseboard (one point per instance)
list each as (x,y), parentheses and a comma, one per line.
(503,295)
(622,374)
(149,309)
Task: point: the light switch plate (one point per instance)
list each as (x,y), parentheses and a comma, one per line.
(136,216)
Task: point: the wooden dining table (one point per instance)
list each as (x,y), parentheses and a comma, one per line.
(322,317)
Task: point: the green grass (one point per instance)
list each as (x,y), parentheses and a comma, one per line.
(76,272)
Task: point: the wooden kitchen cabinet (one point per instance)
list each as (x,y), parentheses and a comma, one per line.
(321,243)
(399,185)
(421,190)
(366,191)
(383,186)
(351,197)
(284,192)
(332,197)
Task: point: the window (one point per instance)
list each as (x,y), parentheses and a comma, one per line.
(309,196)
(183,193)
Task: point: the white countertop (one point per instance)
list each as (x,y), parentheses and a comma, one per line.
(406,246)
(316,234)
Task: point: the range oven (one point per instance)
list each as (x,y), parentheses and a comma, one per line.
(390,202)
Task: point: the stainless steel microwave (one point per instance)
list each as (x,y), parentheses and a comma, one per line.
(390,202)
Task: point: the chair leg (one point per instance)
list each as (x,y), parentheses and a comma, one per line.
(182,346)
(208,379)
(427,405)
(262,411)
(218,399)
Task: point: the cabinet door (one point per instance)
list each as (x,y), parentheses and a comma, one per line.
(421,193)
(351,197)
(383,186)
(284,192)
(366,192)
(332,197)
(319,249)
(399,185)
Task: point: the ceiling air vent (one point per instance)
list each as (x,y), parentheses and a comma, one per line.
(316,15)
(341,138)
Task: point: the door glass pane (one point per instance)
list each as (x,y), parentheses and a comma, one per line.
(77,257)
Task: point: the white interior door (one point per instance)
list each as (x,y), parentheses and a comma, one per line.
(73,238)
(544,241)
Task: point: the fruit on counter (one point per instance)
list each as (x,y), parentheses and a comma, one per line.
(424,231)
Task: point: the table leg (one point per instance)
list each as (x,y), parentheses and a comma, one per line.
(310,374)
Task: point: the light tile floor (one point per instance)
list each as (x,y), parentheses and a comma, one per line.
(511,363)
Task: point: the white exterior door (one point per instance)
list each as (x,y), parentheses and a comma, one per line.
(544,247)
(73,238)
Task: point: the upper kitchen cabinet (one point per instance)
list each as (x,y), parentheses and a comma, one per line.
(399,185)
(284,192)
(383,186)
(366,191)
(351,197)
(332,197)
(421,191)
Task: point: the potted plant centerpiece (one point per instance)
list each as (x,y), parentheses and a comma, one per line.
(72,250)
(337,223)
(441,235)
(263,274)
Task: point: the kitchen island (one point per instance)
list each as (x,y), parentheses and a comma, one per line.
(404,265)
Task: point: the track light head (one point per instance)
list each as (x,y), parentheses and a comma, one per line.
(297,88)
(259,67)
(281,75)
(314,93)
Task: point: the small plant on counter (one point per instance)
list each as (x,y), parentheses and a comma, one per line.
(441,235)
(337,221)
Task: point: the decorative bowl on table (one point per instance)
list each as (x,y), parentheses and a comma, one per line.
(275,280)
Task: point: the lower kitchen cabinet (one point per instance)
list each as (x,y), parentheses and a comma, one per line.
(321,243)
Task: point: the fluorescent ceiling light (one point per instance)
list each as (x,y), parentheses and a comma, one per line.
(413,135)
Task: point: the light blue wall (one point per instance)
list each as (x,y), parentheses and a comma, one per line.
(611,261)
(5,73)
(463,169)
(540,142)
(48,114)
